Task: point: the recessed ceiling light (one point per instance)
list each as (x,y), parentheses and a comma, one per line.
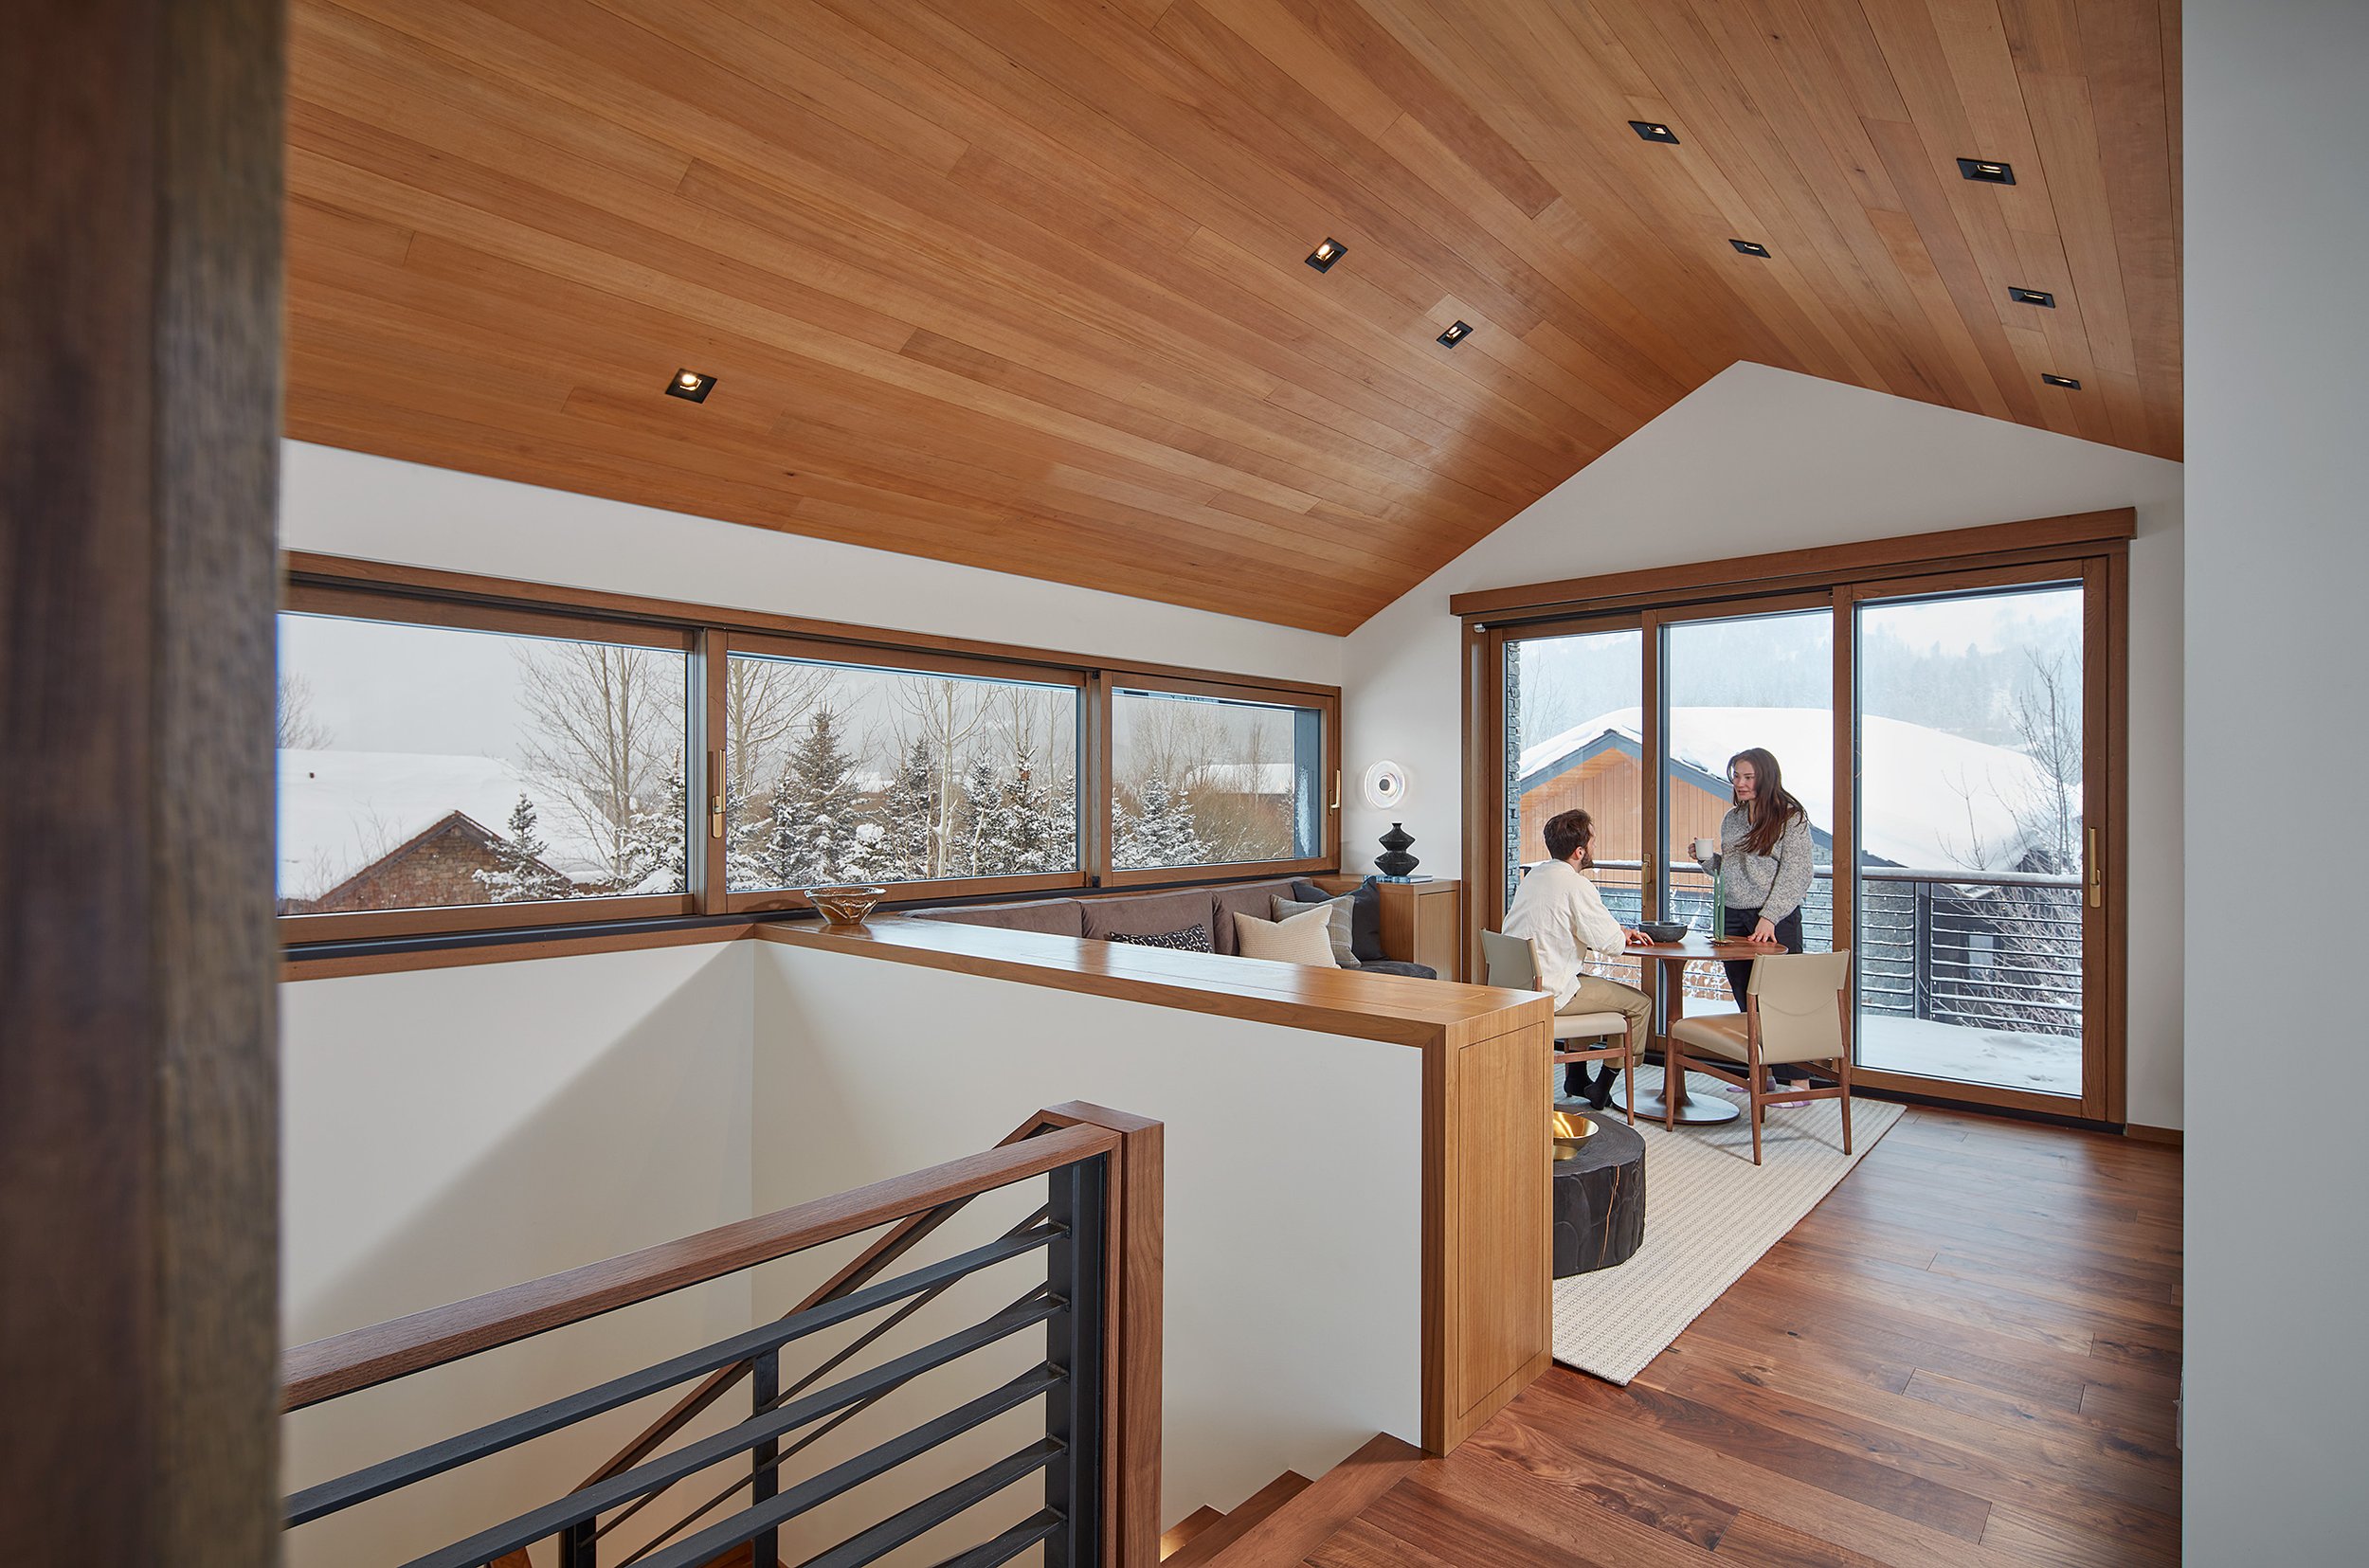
(1987,172)
(2032,296)
(2066,381)
(1749,248)
(1456,333)
(692,385)
(1652,131)
(1325,254)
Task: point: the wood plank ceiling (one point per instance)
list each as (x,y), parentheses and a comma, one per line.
(1020,282)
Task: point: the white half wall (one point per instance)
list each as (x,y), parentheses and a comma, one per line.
(2278,551)
(338,502)
(1294,1209)
(451,1131)
(1759,460)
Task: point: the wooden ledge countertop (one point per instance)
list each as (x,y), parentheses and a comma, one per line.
(1392,1008)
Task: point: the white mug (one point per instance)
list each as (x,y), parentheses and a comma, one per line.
(1704,849)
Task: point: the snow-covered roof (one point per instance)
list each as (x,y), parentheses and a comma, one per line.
(1244,778)
(1951,793)
(341,810)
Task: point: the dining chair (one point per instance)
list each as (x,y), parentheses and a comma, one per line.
(1797,1009)
(1513,964)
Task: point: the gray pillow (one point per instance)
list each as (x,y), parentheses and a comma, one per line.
(1337,929)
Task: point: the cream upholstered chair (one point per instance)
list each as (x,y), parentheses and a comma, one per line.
(1795,1010)
(1513,964)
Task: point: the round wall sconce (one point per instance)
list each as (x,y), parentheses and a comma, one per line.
(1385,785)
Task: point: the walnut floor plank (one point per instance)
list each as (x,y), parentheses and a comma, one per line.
(1911,1378)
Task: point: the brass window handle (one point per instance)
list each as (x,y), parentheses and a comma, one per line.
(2097,873)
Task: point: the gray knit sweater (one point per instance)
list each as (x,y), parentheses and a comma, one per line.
(1775,884)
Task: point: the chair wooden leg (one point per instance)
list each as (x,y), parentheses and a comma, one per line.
(1843,1075)
(1628,1084)
(1674,1073)
(1757,1072)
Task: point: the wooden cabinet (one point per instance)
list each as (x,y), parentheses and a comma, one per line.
(1423,922)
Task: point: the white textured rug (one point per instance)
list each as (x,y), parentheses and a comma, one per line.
(1709,1214)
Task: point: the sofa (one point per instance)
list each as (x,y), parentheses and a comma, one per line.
(1104,915)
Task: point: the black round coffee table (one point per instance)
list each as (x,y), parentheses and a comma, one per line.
(1599,1199)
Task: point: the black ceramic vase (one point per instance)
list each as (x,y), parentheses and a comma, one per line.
(1394,859)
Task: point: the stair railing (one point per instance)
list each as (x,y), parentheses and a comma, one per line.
(1098,1308)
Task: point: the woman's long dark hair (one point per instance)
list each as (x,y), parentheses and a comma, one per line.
(1771,809)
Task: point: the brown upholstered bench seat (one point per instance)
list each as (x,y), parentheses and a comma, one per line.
(1108,914)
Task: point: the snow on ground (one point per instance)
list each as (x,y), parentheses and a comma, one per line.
(340,810)
(1917,784)
(2003,1058)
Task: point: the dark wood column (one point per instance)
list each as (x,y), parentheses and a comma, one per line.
(139,414)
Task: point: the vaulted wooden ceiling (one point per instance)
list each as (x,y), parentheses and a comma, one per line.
(1021,282)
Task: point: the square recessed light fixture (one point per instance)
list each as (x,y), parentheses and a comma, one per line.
(1456,333)
(1749,248)
(2066,381)
(2032,296)
(1987,172)
(1326,254)
(692,385)
(1653,131)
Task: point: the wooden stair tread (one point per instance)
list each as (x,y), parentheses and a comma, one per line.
(1247,1515)
(1191,1526)
(1288,1534)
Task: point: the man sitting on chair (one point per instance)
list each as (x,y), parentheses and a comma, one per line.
(1559,910)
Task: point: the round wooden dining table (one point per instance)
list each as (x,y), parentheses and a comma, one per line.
(1669,960)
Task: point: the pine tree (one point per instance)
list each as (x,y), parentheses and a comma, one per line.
(1159,830)
(973,838)
(817,812)
(1031,830)
(519,876)
(907,819)
(655,840)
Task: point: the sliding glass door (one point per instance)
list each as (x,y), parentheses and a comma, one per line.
(1973,760)
(1950,737)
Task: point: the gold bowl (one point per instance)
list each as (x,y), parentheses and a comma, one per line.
(845,906)
(1570,1131)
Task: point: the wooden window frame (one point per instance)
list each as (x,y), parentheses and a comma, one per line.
(2090,548)
(1327,708)
(335,585)
(723,645)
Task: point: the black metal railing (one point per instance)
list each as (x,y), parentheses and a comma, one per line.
(1067,1305)
(1983,950)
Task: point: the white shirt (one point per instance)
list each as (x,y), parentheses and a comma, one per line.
(1562,914)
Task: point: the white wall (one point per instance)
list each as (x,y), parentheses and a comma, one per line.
(451,1131)
(377,509)
(1759,460)
(1294,1209)
(2278,551)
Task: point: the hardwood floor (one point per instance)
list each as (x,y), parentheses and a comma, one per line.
(1966,1354)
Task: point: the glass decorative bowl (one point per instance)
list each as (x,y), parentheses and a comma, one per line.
(845,905)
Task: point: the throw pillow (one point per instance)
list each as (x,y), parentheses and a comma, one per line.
(1284,909)
(1303,939)
(1191,939)
(1365,917)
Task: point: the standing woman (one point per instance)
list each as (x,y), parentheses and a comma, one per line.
(1764,847)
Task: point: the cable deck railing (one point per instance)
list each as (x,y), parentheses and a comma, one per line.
(1100,1408)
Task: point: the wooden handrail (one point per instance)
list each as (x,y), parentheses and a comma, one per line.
(857,1273)
(341,1365)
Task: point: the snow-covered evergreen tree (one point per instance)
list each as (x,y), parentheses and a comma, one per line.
(817,811)
(1158,830)
(519,874)
(655,842)
(1030,829)
(973,838)
(907,819)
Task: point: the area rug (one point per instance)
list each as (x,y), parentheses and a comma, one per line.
(1709,1214)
